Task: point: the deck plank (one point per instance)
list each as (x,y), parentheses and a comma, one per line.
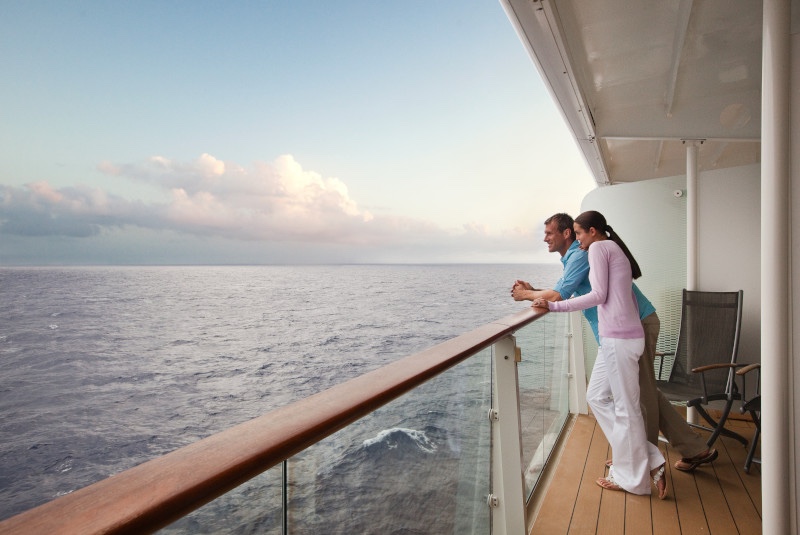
(687,499)
(718,498)
(665,512)
(612,513)
(638,517)
(737,453)
(611,519)
(744,502)
(557,508)
(587,506)
(713,499)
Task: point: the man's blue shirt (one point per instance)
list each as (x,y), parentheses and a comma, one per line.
(575,281)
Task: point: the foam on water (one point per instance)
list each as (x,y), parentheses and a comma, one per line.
(397,436)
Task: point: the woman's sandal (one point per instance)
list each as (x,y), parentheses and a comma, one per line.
(660,481)
(608,483)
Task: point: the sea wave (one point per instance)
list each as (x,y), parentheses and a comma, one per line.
(399,437)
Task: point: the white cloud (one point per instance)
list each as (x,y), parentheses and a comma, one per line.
(278,204)
(271,201)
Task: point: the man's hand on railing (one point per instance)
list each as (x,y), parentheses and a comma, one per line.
(521,290)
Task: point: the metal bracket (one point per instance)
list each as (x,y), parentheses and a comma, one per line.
(492,501)
(493,415)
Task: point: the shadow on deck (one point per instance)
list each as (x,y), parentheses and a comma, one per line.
(717,498)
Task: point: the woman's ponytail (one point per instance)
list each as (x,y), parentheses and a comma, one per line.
(595,219)
(636,271)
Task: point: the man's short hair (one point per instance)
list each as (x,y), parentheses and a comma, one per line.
(564,222)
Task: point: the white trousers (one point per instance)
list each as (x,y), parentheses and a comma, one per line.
(613,395)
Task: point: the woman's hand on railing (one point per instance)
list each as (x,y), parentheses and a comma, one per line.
(541,303)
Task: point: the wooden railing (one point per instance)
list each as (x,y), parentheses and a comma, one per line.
(158,492)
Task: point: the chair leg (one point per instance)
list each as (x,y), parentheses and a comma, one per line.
(718,428)
(752,451)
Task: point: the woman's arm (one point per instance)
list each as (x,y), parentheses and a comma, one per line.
(598,278)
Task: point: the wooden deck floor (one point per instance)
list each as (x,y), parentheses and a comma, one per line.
(717,498)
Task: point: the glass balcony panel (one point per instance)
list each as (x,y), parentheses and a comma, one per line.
(253,507)
(543,388)
(417,465)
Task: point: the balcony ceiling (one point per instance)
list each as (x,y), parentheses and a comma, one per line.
(635,80)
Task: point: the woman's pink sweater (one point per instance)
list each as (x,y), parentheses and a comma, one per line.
(612,293)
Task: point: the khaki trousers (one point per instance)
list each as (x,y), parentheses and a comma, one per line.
(658,412)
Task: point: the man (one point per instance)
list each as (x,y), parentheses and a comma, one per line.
(657,410)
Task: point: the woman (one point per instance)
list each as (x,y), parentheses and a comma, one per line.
(613,392)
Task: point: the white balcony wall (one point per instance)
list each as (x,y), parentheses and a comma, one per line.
(651,218)
(729,234)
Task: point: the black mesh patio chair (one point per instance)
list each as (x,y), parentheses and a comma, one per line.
(752,404)
(701,370)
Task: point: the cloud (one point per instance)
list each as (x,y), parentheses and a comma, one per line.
(275,201)
(279,205)
(40,210)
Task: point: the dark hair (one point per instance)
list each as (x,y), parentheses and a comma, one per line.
(595,219)
(564,222)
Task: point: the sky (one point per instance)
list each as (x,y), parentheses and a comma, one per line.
(271,132)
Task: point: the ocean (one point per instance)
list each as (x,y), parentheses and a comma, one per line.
(107,367)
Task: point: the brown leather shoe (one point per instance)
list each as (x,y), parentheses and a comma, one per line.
(687,464)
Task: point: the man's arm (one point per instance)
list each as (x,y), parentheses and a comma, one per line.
(576,271)
(520,293)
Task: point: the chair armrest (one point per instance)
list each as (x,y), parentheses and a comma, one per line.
(748,368)
(718,366)
(730,388)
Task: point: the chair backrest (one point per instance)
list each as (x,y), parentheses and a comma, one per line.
(709,334)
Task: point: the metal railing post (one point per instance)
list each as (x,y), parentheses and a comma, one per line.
(285,497)
(577,366)
(508,494)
